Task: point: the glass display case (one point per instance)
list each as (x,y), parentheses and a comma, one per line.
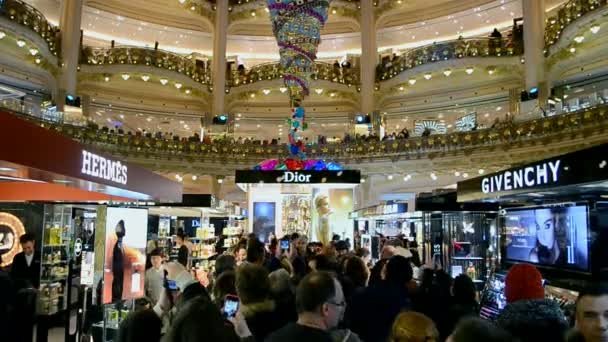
(56,253)
(462,242)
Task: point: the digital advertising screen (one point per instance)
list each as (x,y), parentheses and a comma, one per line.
(125,258)
(555,237)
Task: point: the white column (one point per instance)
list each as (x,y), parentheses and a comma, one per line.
(219,57)
(369,56)
(71,17)
(534,42)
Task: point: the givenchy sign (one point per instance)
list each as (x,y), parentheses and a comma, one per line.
(103,168)
(523,178)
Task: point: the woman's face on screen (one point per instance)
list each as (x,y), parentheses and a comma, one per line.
(546,232)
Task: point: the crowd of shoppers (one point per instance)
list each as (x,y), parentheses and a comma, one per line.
(311,292)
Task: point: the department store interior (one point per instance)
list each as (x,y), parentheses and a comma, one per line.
(469,137)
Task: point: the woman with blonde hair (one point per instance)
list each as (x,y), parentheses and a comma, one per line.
(413,327)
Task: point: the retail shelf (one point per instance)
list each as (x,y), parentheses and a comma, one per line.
(54,263)
(467,258)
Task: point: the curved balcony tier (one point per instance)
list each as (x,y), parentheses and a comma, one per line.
(590,123)
(566,15)
(442,51)
(194,66)
(26,15)
(272,71)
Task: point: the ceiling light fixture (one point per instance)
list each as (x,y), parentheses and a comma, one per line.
(465,175)
(412,81)
(283,89)
(7,169)
(125,76)
(164,81)
(252,95)
(491,70)
(573,49)
(194,177)
(33,51)
(401,88)
(389,177)
(481,171)
(457,174)
(20,43)
(469,70)
(447,72)
(188,91)
(106,78)
(428,76)
(433,176)
(145,78)
(178,85)
(319,91)
(38,60)
(579,39)
(595,29)
(2,34)
(181,1)
(266,91)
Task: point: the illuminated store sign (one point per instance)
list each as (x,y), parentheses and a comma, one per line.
(100,167)
(295,177)
(527,177)
(582,167)
(11,229)
(298,177)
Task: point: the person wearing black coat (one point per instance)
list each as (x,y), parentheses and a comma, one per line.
(373,310)
(25,270)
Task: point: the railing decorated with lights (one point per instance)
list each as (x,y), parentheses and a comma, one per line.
(245,2)
(272,71)
(565,15)
(28,16)
(512,45)
(190,65)
(586,122)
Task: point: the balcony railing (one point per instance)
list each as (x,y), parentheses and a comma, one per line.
(510,45)
(566,14)
(189,65)
(587,120)
(272,71)
(28,16)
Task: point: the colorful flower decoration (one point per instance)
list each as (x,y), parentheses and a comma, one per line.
(296,165)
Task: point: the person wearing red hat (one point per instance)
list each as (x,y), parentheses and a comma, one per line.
(528,316)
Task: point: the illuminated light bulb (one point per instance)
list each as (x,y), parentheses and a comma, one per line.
(481,171)
(573,49)
(595,29)
(333,11)
(469,70)
(188,91)
(253,13)
(125,76)
(38,60)
(433,176)
(34,52)
(465,175)
(266,9)
(389,177)
(319,91)
(220,180)
(266,91)
(363,180)
(428,76)
(447,72)
(2,34)
(252,95)
(178,85)
(412,81)
(401,88)
(283,89)
(20,43)
(491,70)
(332,94)
(106,78)
(579,39)
(145,78)
(457,174)
(194,177)
(164,81)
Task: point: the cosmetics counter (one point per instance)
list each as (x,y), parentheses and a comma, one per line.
(558,223)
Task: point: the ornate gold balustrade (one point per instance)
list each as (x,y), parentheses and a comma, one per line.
(512,134)
(566,14)
(272,71)
(510,44)
(28,16)
(191,66)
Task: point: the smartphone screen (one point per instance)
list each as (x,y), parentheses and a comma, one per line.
(284,244)
(231,306)
(171,285)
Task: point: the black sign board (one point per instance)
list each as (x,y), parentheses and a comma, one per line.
(585,166)
(298,177)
